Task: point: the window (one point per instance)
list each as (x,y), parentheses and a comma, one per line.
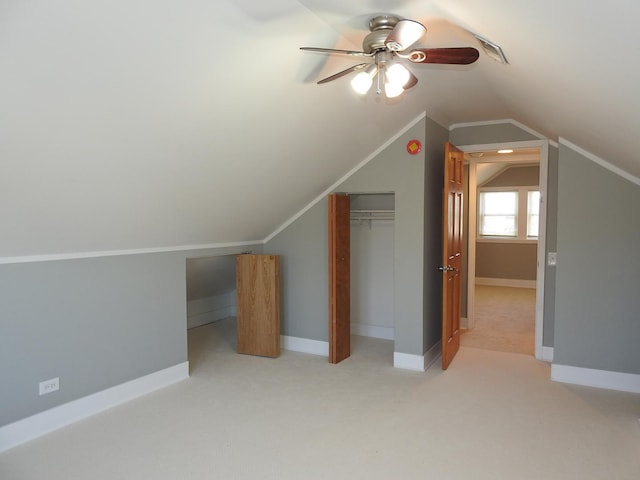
(533,213)
(509,212)
(499,213)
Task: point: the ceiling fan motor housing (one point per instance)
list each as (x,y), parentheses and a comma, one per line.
(383,22)
(380,27)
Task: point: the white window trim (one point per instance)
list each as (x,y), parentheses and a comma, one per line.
(493,239)
(521,215)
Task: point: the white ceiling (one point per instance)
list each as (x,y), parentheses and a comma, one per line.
(158,123)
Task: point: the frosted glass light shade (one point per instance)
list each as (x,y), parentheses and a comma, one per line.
(392,90)
(361,83)
(397,74)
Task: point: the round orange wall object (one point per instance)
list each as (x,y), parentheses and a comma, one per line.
(414,147)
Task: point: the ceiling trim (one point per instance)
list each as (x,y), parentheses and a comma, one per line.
(603,163)
(345,177)
(115,253)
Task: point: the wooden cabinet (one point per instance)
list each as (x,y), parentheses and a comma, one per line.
(258,317)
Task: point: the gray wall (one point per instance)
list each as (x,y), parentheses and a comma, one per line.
(598,273)
(94,323)
(551,246)
(303,247)
(395,170)
(210,276)
(433,198)
(304,289)
(515,261)
(485,134)
(515,176)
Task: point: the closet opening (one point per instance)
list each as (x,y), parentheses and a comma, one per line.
(372,297)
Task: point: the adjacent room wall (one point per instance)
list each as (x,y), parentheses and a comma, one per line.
(515,176)
(508,259)
(211,309)
(211,289)
(93,322)
(597,303)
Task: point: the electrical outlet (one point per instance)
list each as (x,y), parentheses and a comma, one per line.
(552,258)
(49,386)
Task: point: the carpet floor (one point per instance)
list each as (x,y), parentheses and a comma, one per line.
(504,320)
(490,416)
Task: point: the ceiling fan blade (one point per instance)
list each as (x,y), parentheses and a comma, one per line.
(353,53)
(449,56)
(404,34)
(347,71)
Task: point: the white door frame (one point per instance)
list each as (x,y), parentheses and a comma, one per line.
(543,146)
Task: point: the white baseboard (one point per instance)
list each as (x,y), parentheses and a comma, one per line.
(505,282)
(208,317)
(625,382)
(304,345)
(41,423)
(418,363)
(432,355)
(374,331)
(464,323)
(400,360)
(408,361)
(211,309)
(547,354)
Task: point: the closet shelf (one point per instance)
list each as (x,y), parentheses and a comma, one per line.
(368,215)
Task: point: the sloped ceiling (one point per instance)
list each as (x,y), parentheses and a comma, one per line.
(160,123)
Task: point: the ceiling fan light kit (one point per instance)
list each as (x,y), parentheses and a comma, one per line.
(362,82)
(394,76)
(388,45)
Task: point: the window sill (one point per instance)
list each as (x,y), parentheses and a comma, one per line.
(506,240)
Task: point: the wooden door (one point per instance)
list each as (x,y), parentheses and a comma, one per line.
(451,253)
(339,278)
(258,298)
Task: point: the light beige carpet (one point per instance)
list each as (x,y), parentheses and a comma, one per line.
(504,320)
(490,416)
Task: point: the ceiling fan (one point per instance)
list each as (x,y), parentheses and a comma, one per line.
(387,44)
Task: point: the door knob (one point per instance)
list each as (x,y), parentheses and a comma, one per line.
(448,268)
